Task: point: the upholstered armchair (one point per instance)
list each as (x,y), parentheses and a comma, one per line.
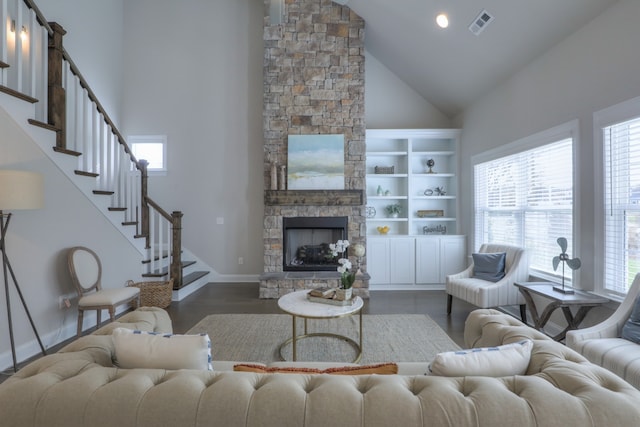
(603,344)
(487,294)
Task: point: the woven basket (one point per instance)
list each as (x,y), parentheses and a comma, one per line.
(154,294)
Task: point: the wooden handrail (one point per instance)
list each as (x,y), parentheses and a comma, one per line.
(100,108)
(161,211)
(83,82)
(39,15)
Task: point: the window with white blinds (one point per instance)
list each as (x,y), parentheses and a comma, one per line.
(621,144)
(526,199)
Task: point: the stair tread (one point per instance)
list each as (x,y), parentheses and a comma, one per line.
(43,125)
(103,192)
(192,277)
(85,173)
(65,151)
(184,263)
(17,94)
(155,274)
(165,270)
(116,209)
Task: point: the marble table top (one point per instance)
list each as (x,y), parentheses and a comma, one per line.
(297,304)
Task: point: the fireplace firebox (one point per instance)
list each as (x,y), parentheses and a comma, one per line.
(306,242)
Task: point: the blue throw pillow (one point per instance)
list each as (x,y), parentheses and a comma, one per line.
(489,266)
(631,329)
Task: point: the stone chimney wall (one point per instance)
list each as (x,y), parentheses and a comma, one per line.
(313,84)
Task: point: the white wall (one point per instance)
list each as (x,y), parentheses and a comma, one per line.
(36,245)
(596,67)
(391,104)
(193,72)
(94,42)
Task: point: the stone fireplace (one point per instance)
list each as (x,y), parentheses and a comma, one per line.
(313,85)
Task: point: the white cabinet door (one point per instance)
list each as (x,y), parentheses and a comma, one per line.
(378,260)
(452,255)
(402,260)
(428,260)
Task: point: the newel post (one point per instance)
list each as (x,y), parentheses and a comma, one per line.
(143,165)
(176,257)
(57,107)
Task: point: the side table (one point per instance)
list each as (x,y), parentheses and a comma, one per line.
(297,305)
(580,299)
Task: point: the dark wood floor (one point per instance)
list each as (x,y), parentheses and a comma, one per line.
(243,298)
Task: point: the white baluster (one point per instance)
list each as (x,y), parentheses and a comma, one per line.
(32,44)
(152,239)
(4,47)
(92,140)
(87,148)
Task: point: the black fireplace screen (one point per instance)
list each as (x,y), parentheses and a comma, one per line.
(306,242)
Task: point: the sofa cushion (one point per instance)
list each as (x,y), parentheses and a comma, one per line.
(508,359)
(631,328)
(379,369)
(489,266)
(618,355)
(139,349)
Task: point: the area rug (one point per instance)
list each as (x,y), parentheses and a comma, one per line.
(257,338)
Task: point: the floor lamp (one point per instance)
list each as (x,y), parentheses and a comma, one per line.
(18,190)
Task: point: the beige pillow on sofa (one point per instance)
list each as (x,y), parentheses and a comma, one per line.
(500,361)
(139,349)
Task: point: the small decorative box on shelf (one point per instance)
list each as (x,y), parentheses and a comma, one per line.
(384,169)
(430,213)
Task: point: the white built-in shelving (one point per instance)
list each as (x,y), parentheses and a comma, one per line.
(422,244)
(413,185)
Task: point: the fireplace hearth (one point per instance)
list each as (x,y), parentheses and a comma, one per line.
(306,242)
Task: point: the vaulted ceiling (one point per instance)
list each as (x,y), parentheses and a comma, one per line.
(452,67)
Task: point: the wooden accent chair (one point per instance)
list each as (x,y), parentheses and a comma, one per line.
(86,274)
(486,294)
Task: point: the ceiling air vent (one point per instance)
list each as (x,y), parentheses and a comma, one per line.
(481,22)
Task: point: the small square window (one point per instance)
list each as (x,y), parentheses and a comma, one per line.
(152,148)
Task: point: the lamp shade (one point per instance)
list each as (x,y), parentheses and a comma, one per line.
(21,190)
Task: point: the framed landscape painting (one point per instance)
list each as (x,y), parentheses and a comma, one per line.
(315,162)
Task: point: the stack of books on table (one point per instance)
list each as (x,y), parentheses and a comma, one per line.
(326,296)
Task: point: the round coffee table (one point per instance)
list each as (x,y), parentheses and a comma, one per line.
(297,305)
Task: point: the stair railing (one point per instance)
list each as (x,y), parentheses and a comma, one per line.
(35,66)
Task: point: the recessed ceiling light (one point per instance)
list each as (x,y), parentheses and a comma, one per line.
(442,20)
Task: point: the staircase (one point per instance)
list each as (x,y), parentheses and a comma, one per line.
(48,97)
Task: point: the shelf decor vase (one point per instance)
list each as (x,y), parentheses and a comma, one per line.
(343,294)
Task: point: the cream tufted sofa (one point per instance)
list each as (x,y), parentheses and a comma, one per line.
(79,386)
